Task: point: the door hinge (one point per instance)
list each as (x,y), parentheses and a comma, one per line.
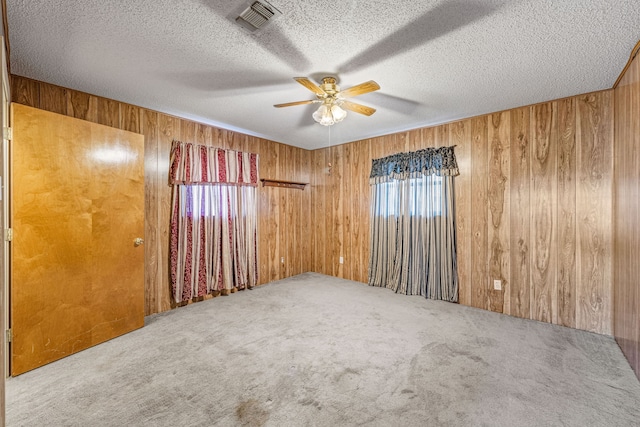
(9,335)
(8,234)
(7,133)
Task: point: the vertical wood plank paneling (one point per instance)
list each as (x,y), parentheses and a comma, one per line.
(362,210)
(380,148)
(626,305)
(594,164)
(566,242)
(25,91)
(480,219)
(108,112)
(263,268)
(403,141)
(460,136)
(253,143)
(314,190)
(200,134)
(305,209)
(329,219)
(543,212)
(347,187)
(288,201)
(206,133)
(230,141)
(187,131)
(392,145)
(221,140)
(414,140)
(498,198)
(631,288)
(53,98)
(280,204)
(238,141)
(82,106)
(151,242)
(215,138)
(130,118)
(626,319)
(294,243)
(337,234)
(168,130)
(326,203)
(441,136)
(347,190)
(319,209)
(266,232)
(428,137)
(227,138)
(273,215)
(520,172)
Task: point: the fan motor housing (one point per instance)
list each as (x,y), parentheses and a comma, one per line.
(329,86)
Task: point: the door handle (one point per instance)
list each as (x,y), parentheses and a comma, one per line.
(138,241)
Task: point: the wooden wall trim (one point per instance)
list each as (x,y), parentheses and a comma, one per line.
(634,53)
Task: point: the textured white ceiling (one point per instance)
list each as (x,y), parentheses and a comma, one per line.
(436,60)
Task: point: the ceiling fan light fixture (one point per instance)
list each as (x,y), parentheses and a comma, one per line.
(333,103)
(329,113)
(323,115)
(338,113)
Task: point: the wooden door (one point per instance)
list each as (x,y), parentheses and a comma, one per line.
(78,206)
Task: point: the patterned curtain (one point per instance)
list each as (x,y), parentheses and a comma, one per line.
(213,220)
(413,233)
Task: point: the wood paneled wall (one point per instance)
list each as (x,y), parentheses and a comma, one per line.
(626,290)
(533,201)
(533,208)
(283,220)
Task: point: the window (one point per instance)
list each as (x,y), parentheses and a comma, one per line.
(411,194)
(197,201)
(413,233)
(213,220)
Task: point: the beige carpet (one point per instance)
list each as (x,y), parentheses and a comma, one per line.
(313,350)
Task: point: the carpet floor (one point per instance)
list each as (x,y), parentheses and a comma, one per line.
(314,350)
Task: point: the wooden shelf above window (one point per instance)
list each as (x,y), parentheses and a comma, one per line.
(283,184)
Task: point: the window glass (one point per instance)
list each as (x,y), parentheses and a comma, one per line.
(421,196)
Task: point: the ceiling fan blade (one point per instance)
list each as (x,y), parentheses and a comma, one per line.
(310,85)
(358,108)
(291,104)
(360,89)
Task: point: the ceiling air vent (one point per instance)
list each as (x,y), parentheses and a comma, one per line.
(257,15)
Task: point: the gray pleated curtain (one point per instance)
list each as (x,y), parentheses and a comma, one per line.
(413,233)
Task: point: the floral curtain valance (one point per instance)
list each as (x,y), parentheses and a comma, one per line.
(429,161)
(200,164)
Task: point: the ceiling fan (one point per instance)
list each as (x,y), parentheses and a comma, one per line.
(332,99)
